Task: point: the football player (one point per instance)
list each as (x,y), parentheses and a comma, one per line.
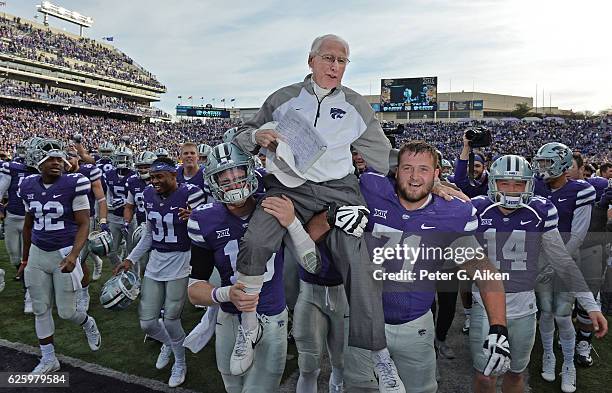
(215,230)
(105,150)
(95,196)
(515,227)
(203,153)
(136,185)
(190,172)
(592,254)
(161,153)
(167,271)
(11,175)
(55,230)
(404,212)
(573,200)
(116,196)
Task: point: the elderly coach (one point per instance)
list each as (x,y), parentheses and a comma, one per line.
(343,118)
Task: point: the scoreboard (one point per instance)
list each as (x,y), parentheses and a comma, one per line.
(201,111)
(409,94)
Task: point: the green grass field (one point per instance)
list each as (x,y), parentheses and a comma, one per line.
(597,378)
(122,340)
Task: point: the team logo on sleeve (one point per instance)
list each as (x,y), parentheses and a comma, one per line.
(223,233)
(486,221)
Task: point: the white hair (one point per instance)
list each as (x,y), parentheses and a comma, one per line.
(318,42)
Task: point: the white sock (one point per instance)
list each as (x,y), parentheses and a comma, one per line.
(547,330)
(47,351)
(336,376)
(88,322)
(179,351)
(307,382)
(567,337)
(380,354)
(249,320)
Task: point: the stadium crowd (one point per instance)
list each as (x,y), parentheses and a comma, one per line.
(592,138)
(22,39)
(34,91)
(179,223)
(18,124)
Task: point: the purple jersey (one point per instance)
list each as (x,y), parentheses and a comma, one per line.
(117,188)
(513,241)
(51,208)
(214,228)
(567,199)
(437,224)
(17,173)
(328,276)
(92,173)
(169,231)
(105,164)
(599,183)
(136,187)
(196,180)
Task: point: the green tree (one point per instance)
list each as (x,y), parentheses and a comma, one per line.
(521,110)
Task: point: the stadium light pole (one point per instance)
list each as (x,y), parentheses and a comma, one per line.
(536,103)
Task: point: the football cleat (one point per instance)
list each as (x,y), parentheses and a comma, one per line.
(466,325)
(336,388)
(244,349)
(387,376)
(177,377)
(27,303)
(94,339)
(548,366)
(583,353)
(568,378)
(164,357)
(46,366)
(2,283)
(97,273)
(444,350)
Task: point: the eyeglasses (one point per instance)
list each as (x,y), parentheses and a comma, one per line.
(330,59)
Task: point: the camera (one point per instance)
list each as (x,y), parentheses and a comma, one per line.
(77,138)
(478,136)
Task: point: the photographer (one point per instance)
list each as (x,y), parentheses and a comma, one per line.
(477,137)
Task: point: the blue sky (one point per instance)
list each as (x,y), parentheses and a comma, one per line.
(247,49)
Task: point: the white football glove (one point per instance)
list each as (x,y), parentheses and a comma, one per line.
(497,350)
(351,219)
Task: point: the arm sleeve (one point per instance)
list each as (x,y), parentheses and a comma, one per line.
(202,263)
(461,176)
(244,136)
(580,227)
(372,144)
(562,262)
(80,202)
(143,245)
(5,182)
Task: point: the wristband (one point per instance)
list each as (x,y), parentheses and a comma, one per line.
(220,294)
(498,329)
